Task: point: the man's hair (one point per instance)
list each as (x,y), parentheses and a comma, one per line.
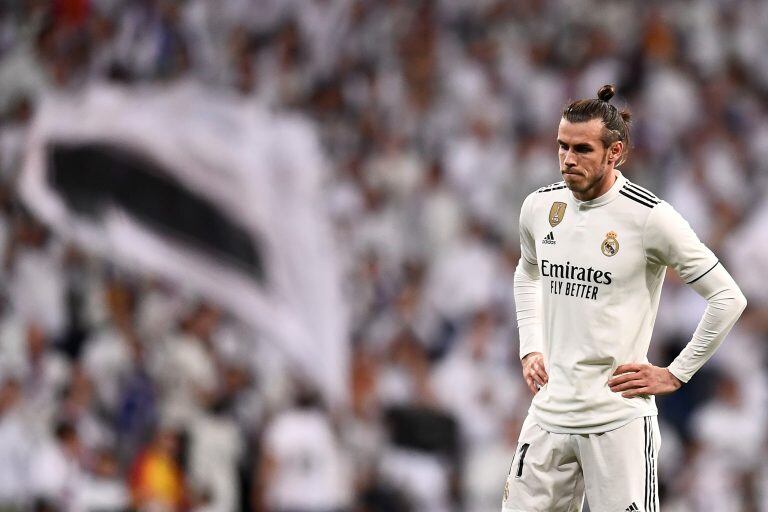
(615,122)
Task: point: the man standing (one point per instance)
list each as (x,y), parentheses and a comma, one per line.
(594,251)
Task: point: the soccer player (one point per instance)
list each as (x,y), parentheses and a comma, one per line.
(594,251)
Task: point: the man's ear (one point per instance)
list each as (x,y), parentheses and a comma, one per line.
(614,152)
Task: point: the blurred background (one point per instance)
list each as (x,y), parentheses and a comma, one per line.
(122,389)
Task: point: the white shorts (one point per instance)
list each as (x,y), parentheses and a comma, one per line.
(617,469)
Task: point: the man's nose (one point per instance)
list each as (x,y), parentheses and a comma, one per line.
(570,159)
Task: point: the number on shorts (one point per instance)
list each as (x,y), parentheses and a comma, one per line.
(523,450)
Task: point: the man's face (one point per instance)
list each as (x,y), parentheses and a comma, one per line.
(583,159)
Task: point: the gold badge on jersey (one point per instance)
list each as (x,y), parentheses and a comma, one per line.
(556,213)
(610,245)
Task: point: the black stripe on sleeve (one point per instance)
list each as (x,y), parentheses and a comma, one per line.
(642,193)
(638,195)
(633,184)
(637,200)
(705,273)
(639,188)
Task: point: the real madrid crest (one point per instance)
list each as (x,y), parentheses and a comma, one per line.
(556,213)
(610,245)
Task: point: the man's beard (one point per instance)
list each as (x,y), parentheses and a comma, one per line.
(589,183)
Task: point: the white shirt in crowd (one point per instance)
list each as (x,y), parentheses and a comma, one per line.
(478,388)
(461,280)
(108,361)
(16,449)
(37,288)
(310,470)
(185,371)
(103,494)
(215,450)
(56,476)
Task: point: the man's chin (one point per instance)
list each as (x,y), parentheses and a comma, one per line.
(572,180)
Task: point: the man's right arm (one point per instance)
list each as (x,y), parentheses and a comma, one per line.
(528,308)
(527,292)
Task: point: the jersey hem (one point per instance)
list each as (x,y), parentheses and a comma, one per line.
(592,429)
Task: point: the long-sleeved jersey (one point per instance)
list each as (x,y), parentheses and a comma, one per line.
(599,266)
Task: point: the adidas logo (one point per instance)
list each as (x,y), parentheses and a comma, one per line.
(632,507)
(549,239)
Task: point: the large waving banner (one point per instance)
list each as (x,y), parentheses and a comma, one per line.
(213,193)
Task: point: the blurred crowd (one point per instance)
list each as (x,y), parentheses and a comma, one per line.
(121,391)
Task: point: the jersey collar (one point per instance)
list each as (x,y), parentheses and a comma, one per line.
(606,198)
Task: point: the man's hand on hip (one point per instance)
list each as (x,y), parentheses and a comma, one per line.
(534,371)
(643,379)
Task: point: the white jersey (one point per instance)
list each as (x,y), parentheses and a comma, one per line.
(601,264)
(310,467)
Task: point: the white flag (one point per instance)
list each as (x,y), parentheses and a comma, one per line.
(214,193)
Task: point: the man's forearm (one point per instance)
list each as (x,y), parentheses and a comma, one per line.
(528,307)
(725,302)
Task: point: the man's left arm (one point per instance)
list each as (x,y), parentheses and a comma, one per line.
(669,240)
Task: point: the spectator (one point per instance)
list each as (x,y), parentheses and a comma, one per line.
(302,467)
(56,471)
(16,448)
(103,487)
(215,451)
(157,481)
(186,368)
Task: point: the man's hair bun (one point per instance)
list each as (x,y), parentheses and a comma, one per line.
(606,92)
